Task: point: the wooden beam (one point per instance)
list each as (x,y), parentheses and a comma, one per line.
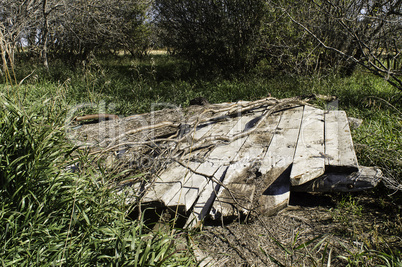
(340,155)
(277,162)
(309,158)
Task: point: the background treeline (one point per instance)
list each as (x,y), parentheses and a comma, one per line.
(296,37)
(72,28)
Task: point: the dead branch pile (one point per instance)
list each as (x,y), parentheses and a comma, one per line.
(164,136)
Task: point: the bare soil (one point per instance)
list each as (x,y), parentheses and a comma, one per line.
(334,227)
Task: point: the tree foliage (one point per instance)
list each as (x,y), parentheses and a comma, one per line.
(292,36)
(351,33)
(102,26)
(213,33)
(73,27)
(296,37)
(283,47)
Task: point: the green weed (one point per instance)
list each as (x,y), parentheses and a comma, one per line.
(315,251)
(361,256)
(52,217)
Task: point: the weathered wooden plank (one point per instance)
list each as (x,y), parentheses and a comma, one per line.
(365,178)
(257,143)
(277,161)
(309,158)
(331,138)
(236,199)
(277,195)
(239,176)
(340,155)
(205,199)
(220,128)
(167,179)
(192,187)
(252,150)
(282,147)
(220,155)
(175,172)
(225,205)
(201,131)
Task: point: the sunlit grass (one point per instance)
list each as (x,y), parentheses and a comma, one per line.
(50,216)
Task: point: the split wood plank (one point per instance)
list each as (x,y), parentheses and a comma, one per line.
(340,155)
(277,195)
(278,160)
(167,179)
(309,158)
(205,200)
(219,128)
(223,206)
(186,194)
(258,142)
(175,172)
(220,155)
(282,147)
(238,178)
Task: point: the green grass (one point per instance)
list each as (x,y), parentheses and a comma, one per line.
(49,216)
(52,217)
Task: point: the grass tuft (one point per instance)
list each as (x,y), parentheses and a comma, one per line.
(52,217)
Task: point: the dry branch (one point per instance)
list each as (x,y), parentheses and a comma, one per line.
(270,106)
(370,61)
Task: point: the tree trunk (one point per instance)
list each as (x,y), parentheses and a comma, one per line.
(45,33)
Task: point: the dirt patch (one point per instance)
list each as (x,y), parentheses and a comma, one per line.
(334,229)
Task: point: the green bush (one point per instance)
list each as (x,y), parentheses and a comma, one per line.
(214,34)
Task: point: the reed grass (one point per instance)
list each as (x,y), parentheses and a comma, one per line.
(50,216)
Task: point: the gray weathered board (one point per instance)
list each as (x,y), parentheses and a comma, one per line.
(338,142)
(290,148)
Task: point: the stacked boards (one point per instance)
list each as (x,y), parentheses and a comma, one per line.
(257,170)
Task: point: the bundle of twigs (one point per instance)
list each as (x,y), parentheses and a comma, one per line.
(182,141)
(176,141)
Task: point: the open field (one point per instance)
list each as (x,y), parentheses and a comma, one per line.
(53,217)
